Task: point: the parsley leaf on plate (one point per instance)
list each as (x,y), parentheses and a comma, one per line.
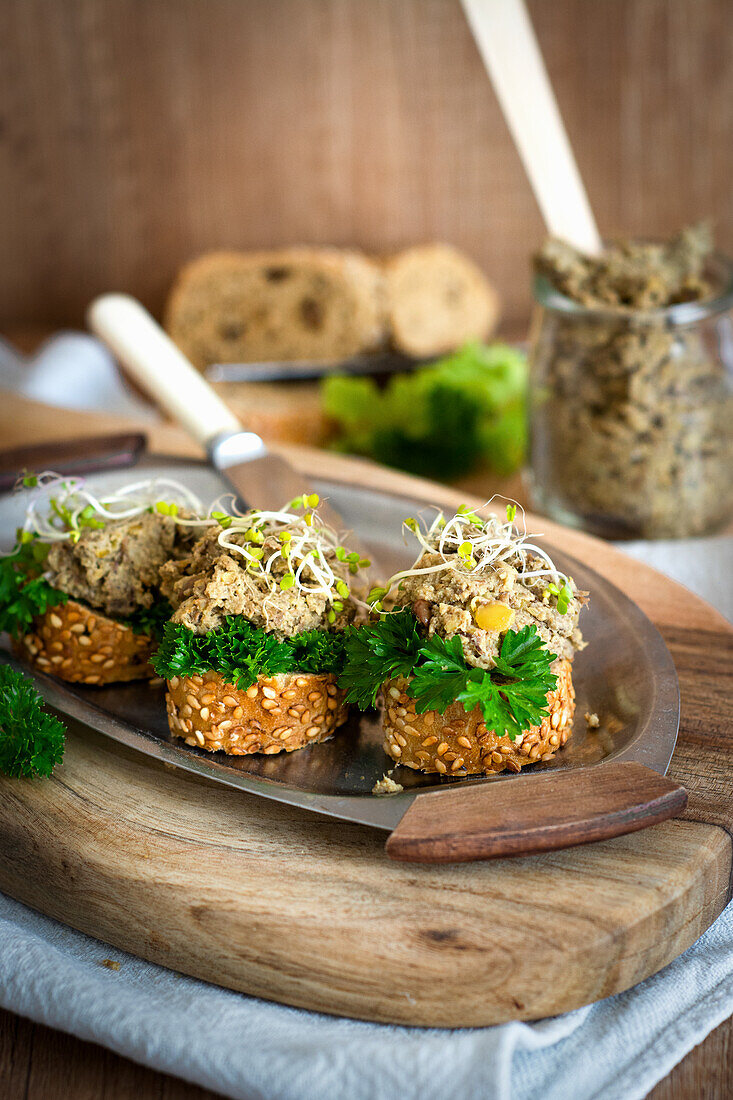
(240,652)
(23,591)
(376,653)
(31,740)
(440,676)
(150,620)
(512,695)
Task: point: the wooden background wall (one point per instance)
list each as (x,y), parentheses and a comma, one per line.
(135,133)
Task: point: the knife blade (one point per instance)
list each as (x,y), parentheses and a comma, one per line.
(302,369)
(72,457)
(260,478)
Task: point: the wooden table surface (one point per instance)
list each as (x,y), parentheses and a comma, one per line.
(38,1063)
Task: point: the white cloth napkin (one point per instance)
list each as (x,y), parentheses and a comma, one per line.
(242,1047)
(73,371)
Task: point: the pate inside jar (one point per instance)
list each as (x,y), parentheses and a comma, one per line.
(631,409)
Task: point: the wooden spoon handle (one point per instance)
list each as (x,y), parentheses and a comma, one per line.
(537,813)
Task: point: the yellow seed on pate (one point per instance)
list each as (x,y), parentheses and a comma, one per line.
(493,616)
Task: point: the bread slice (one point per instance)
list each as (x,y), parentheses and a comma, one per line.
(437,299)
(297,303)
(83,646)
(457,743)
(276,714)
(289,412)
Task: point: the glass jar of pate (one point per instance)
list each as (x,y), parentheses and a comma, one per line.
(631,413)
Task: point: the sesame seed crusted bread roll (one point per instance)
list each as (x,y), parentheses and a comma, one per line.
(470,649)
(457,743)
(83,646)
(275,714)
(81,590)
(256,641)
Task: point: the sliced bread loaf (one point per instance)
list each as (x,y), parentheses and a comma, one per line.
(298,303)
(437,299)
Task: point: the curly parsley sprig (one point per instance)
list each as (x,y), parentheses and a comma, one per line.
(240,652)
(512,695)
(31,740)
(24,593)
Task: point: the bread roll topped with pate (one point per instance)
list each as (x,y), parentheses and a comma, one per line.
(471,649)
(80,593)
(255,646)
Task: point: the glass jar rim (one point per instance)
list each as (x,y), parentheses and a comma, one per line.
(682,313)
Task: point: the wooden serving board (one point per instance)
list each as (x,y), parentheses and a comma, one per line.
(292,907)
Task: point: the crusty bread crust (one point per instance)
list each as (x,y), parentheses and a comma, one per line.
(276,714)
(83,646)
(437,299)
(457,743)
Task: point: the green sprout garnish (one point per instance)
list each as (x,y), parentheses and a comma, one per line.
(465,511)
(564,595)
(465,542)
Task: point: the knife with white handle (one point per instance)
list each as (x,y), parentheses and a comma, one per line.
(260,479)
